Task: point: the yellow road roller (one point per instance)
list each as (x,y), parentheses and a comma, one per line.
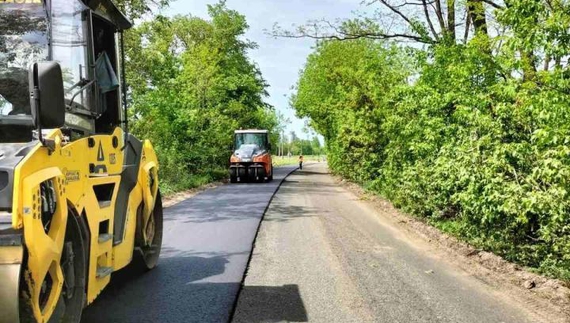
(79,195)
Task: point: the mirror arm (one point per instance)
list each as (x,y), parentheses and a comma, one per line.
(81,82)
(83,88)
(48,143)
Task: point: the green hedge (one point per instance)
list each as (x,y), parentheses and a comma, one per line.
(449,139)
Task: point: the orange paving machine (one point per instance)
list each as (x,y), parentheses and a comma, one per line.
(251,159)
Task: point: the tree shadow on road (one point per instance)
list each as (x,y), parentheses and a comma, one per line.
(300,184)
(170,252)
(270,304)
(230,203)
(285,213)
(306,172)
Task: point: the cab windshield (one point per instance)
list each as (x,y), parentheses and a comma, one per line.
(259,139)
(23,41)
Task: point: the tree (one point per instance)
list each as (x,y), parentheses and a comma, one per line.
(471,134)
(316,146)
(192,85)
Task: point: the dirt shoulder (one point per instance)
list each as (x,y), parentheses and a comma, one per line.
(550,297)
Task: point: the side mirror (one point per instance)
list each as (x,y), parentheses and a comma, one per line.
(269,146)
(47,95)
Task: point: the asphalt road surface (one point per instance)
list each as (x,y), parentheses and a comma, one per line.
(207,244)
(322,255)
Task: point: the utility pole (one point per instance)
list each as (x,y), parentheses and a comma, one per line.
(282,143)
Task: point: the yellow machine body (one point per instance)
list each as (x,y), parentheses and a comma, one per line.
(78,193)
(86,176)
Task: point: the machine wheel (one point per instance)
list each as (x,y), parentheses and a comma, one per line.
(74,266)
(251,175)
(242,173)
(147,256)
(270,177)
(233,175)
(75,258)
(261,174)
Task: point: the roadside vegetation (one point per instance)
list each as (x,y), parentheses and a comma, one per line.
(466,124)
(191,85)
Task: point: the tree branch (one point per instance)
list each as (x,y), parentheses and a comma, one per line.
(347,36)
(429,20)
(408,20)
(406,3)
(493,4)
(439,14)
(396,11)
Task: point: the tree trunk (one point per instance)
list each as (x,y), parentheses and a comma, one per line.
(477,13)
(451,19)
(467,26)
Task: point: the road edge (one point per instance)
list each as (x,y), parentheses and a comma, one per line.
(179,197)
(234,305)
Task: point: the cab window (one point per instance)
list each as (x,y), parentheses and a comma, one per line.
(69,49)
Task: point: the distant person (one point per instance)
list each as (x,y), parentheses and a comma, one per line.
(301,162)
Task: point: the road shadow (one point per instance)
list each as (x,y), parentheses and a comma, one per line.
(283,207)
(283,213)
(258,304)
(172,292)
(306,172)
(170,252)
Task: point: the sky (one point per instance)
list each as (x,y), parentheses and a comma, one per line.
(280,60)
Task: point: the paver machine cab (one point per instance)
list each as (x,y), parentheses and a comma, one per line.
(251,160)
(79,195)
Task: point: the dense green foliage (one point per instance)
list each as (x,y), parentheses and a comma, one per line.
(473,137)
(191,85)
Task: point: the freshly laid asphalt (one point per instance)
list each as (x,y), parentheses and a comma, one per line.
(207,243)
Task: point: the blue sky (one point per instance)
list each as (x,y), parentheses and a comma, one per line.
(280,60)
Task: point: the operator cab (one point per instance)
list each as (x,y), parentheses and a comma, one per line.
(258,138)
(84,37)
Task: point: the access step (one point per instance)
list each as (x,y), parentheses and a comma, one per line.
(105,237)
(103,272)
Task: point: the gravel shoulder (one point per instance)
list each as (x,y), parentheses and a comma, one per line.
(325,254)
